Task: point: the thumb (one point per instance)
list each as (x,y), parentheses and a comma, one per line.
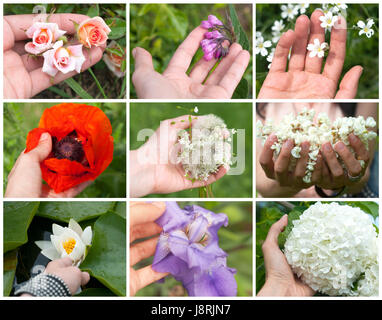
(143,60)
(275,230)
(349,84)
(44,147)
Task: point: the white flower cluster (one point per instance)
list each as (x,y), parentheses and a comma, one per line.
(206,148)
(333,248)
(302,128)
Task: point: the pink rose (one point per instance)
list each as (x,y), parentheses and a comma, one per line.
(93,32)
(113,60)
(64,59)
(43,36)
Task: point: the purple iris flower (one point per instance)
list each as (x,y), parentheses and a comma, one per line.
(188,248)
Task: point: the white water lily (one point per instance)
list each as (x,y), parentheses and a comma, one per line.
(69,241)
(366,27)
(317,49)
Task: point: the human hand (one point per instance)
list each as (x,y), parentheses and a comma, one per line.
(175,83)
(23,76)
(142,225)
(304,79)
(280,280)
(153,167)
(25,178)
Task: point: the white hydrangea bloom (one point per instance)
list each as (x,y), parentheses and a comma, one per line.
(301,127)
(206,149)
(333,248)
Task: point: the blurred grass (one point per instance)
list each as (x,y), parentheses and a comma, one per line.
(360,50)
(161,28)
(114,87)
(20,118)
(235,115)
(235,239)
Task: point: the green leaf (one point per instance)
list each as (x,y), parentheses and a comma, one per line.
(106,260)
(120,209)
(76,87)
(79,211)
(17,218)
(117,26)
(293,215)
(10,264)
(366,206)
(178,20)
(242,90)
(93,11)
(241,37)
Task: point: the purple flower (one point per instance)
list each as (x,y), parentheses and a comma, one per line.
(211,22)
(188,248)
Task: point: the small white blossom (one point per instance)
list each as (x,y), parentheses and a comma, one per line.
(366,28)
(289,11)
(261,46)
(277,28)
(270,57)
(328,21)
(337,7)
(303,7)
(196,110)
(317,49)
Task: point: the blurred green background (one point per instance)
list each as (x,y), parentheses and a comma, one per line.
(113,87)
(149,115)
(268,212)
(161,28)
(20,118)
(235,240)
(360,50)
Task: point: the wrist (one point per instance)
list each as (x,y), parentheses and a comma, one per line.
(142,173)
(274,288)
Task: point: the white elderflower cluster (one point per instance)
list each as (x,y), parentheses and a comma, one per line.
(206,148)
(333,248)
(302,128)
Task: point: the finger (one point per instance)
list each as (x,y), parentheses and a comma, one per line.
(297,59)
(217,75)
(352,165)
(282,163)
(19,47)
(266,156)
(326,178)
(145,230)
(32,62)
(181,122)
(21,22)
(359,148)
(146,212)
(43,149)
(147,275)
(201,69)
(337,52)
(211,179)
(183,55)
(271,241)
(85,277)
(235,72)
(349,83)
(318,169)
(143,60)
(63,262)
(42,80)
(280,57)
(333,164)
(314,64)
(143,250)
(300,169)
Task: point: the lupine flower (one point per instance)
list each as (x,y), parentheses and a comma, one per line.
(261,46)
(328,21)
(82,145)
(68,241)
(188,248)
(43,36)
(217,40)
(317,49)
(289,11)
(64,59)
(366,28)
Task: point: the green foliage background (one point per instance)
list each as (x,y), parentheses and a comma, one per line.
(20,118)
(84,83)
(161,28)
(267,213)
(235,239)
(27,222)
(360,50)
(235,115)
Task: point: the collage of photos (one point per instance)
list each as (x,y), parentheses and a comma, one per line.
(190,150)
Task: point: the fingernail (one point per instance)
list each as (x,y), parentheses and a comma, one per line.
(352,138)
(327,146)
(134,52)
(340,146)
(159,204)
(45,136)
(289,143)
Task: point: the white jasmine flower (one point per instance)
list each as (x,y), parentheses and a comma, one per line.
(289,11)
(296,152)
(261,46)
(317,49)
(328,21)
(366,28)
(332,248)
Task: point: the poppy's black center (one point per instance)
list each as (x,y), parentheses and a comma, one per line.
(68,148)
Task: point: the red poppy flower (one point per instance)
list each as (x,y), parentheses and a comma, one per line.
(82,145)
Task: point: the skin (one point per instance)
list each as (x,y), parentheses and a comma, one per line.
(23,76)
(279,278)
(72,276)
(156,176)
(25,178)
(142,225)
(305,77)
(175,83)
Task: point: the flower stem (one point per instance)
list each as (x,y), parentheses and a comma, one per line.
(97,83)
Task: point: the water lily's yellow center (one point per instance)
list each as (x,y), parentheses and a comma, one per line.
(69,245)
